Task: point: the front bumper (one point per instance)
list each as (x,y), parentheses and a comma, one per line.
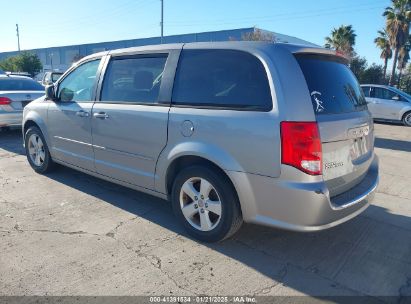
(9,119)
(303,205)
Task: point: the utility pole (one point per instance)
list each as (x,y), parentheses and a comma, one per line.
(18,37)
(51,61)
(162,20)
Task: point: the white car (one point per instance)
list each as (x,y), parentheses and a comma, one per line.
(388,103)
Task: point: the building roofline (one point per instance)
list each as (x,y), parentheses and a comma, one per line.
(142,38)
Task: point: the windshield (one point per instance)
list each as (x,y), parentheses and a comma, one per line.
(408,96)
(333,87)
(19,84)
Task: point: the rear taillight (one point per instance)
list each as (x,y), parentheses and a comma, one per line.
(4,101)
(301,146)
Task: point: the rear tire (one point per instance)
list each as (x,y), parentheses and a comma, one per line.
(406,120)
(206,204)
(37,152)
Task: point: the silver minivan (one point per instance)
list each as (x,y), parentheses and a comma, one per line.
(272,134)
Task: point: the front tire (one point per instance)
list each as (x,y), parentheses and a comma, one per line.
(206,204)
(407,119)
(37,152)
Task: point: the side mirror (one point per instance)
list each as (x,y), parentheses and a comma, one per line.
(50,93)
(396,98)
(66,94)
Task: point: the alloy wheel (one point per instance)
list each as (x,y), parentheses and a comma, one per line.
(200,204)
(36,150)
(407,119)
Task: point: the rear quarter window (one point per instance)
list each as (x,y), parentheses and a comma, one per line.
(221,78)
(333,87)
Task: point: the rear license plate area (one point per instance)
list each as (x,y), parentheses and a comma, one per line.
(360,141)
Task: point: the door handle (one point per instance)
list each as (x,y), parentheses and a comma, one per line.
(101,115)
(82,113)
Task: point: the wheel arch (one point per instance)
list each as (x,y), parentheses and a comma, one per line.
(406,111)
(33,119)
(191,160)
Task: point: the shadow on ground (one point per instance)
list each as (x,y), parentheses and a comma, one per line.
(393,144)
(12,141)
(360,257)
(369,255)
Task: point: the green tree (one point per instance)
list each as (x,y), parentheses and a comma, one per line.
(367,74)
(373,74)
(358,66)
(23,62)
(258,35)
(403,58)
(342,39)
(8,64)
(405,82)
(398,17)
(383,43)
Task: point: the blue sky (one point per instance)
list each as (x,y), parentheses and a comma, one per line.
(53,23)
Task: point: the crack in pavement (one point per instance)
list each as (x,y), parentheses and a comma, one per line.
(18,229)
(154,260)
(265,290)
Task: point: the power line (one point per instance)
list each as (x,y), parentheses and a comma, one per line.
(286,15)
(274,18)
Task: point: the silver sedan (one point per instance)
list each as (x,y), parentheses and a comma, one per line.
(15,93)
(388,103)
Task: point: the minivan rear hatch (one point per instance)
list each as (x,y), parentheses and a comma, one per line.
(346,127)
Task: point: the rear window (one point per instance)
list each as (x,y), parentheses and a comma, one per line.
(19,84)
(222,78)
(333,87)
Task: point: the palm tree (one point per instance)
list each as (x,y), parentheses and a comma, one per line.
(398,18)
(383,43)
(342,39)
(403,57)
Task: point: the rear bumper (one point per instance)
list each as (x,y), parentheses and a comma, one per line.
(303,205)
(9,119)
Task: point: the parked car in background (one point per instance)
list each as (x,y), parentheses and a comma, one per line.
(26,74)
(50,78)
(388,103)
(15,93)
(272,134)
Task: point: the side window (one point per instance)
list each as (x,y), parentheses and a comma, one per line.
(133,79)
(366,91)
(221,78)
(383,93)
(78,85)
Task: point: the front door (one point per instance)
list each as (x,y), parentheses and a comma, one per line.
(385,104)
(129,123)
(69,118)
